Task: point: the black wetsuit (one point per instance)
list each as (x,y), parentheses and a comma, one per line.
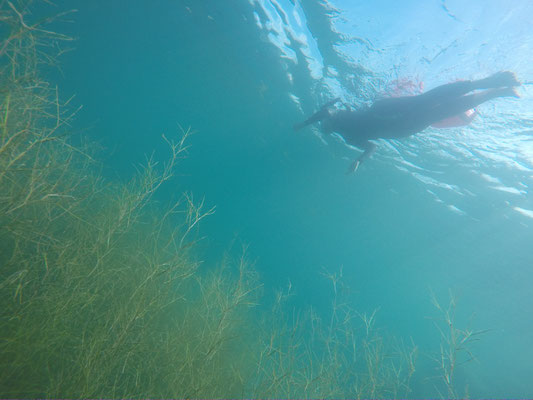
(398,117)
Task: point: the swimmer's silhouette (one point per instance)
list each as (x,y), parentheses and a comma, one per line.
(398,117)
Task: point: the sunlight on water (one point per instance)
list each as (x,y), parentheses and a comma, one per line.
(527,213)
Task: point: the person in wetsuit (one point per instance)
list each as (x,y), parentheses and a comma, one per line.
(399,117)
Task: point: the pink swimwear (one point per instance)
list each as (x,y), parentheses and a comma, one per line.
(462,119)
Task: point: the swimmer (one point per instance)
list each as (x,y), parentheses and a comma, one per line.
(399,117)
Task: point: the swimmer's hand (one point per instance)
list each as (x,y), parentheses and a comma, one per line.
(353,167)
(369,148)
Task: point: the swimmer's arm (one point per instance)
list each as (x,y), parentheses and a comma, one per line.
(369,148)
(321,114)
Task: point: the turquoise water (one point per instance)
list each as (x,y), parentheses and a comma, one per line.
(444,210)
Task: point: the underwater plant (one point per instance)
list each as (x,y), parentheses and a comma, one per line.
(92,280)
(339,355)
(455,347)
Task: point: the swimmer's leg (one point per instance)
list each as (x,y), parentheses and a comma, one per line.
(425,101)
(454,90)
(464,103)
(498,80)
(448,91)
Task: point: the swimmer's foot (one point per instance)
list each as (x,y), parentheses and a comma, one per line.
(499,92)
(509,92)
(499,80)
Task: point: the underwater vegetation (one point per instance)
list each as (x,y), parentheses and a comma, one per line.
(100,290)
